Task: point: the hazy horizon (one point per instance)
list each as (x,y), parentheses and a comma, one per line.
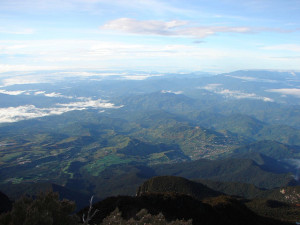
(151,35)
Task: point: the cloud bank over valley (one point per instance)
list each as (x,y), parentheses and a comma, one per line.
(217,89)
(29,111)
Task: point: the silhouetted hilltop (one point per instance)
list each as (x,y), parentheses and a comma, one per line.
(164,184)
(5,203)
(168,197)
(212,211)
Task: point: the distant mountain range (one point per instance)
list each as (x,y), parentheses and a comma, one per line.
(104,136)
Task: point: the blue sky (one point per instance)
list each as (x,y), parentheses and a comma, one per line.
(149,35)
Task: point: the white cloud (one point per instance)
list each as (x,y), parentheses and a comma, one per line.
(89,103)
(16,31)
(233,93)
(56,95)
(170,28)
(39,93)
(97,55)
(284,47)
(23,80)
(295,163)
(52,94)
(11,92)
(21,67)
(144,27)
(241,95)
(140,76)
(14,114)
(286,91)
(173,92)
(255,79)
(84,55)
(211,87)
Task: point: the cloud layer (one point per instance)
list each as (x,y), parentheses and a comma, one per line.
(52,94)
(287,91)
(14,114)
(215,88)
(169,28)
(11,92)
(172,92)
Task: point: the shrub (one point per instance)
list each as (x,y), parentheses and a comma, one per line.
(141,218)
(46,209)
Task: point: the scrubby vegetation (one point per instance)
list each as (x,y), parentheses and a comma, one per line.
(141,218)
(154,205)
(46,209)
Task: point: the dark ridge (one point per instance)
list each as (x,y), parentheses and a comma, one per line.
(270,148)
(165,184)
(5,203)
(236,189)
(214,211)
(258,171)
(275,209)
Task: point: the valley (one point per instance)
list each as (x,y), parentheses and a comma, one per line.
(151,131)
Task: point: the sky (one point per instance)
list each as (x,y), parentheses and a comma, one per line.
(149,35)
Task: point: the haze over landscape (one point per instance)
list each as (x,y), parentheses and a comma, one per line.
(188,110)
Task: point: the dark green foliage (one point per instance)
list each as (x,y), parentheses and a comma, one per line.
(125,179)
(272,149)
(159,101)
(138,148)
(141,218)
(243,170)
(239,124)
(236,189)
(281,133)
(175,206)
(275,209)
(46,209)
(196,142)
(273,200)
(284,194)
(5,203)
(164,184)
(249,127)
(31,189)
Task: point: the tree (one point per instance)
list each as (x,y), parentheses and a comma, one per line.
(46,209)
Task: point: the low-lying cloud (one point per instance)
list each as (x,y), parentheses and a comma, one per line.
(24,79)
(30,92)
(215,88)
(286,91)
(11,92)
(211,87)
(52,94)
(173,92)
(253,79)
(296,164)
(89,103)
(14,114)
